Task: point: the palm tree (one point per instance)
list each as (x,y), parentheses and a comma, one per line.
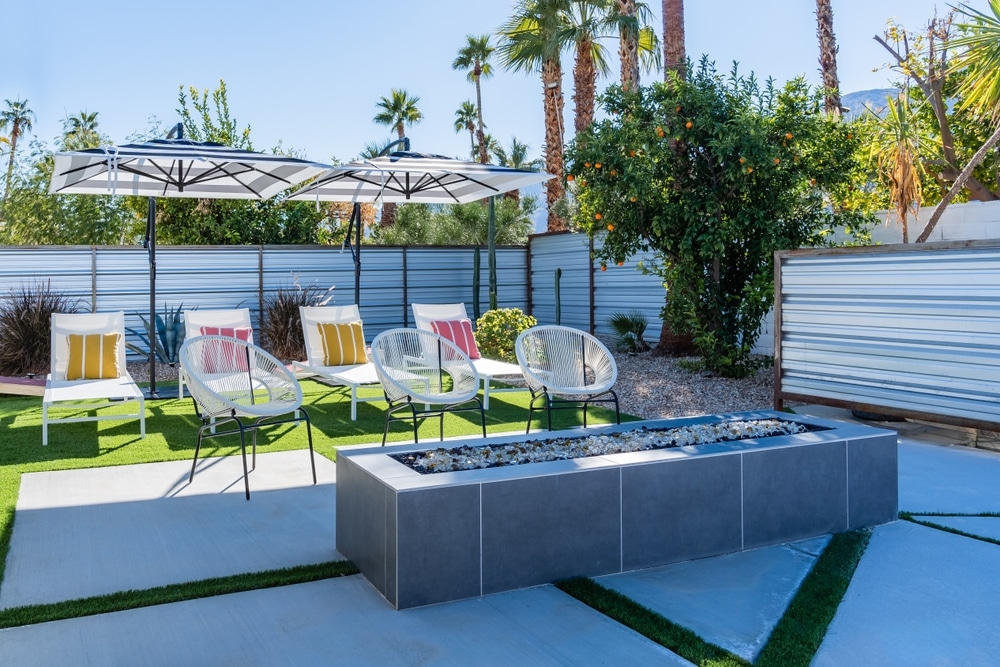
(465,119)
(80,131)
(637,41)
(18,117)
(828,56)
(897,151)
(516,158)
(475,57)
(530,44)
(398,111)
(979,91)
(673,38)
(582,25)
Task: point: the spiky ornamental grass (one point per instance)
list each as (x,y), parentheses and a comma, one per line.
(25,327)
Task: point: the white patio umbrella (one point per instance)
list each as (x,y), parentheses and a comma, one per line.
(408,177)
(175,167)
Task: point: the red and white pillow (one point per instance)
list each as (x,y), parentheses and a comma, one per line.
(458,332)
(226,358)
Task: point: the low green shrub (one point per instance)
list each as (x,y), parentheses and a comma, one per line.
(497,330)
(629,328)
(26,327)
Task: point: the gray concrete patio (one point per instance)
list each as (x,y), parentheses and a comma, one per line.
(920,596)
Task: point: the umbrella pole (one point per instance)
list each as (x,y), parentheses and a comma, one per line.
(151,248)
(356,216)
(491,241)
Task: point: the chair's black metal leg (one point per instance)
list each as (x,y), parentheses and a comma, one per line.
(197,448)
(413,415)
(441,425)
(243,449)
(548,408)
(585,414)
(618,414)
(309,437)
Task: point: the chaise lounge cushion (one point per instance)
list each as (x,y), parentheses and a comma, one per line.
(93,356)
(343,343)
(458,332)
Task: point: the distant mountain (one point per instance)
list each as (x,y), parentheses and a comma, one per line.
(867,99)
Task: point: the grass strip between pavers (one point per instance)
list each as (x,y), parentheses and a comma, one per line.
(801,629)
(648,623)
(794,640)
(912,518)
(237,583)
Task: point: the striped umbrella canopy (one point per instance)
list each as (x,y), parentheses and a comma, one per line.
(178,168)
(175,167)
(408,177)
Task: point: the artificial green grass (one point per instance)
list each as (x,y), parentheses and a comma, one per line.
(648,623)
(800,631)
(171,433)
(238,583)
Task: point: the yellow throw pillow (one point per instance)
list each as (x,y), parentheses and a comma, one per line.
(93,356)
(343,344)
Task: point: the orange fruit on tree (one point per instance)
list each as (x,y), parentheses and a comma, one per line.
(788,135)
(614,172)
(597,165)
(631,199)
(659,131)
(611,228)
(749,170)
(598,216)
(621,263)
(777,160)
(604,267)
(678,109)
(812,181)
(569,177)
(631,153)
(689,125)
(742,160)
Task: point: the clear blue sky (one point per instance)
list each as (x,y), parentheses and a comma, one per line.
(308,73)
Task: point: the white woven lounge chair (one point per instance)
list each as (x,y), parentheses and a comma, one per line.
(416,366)
(87,394)
(424,314)
(233,381)
(566,369)
(194,320)
(349,375)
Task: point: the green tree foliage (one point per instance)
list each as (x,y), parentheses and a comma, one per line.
(459,224)
(715,174)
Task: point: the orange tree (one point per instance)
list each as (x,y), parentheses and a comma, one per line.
(714,174)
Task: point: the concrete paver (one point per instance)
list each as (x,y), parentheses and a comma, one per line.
(339,622)
(920,596)
(733,601)
(80,533)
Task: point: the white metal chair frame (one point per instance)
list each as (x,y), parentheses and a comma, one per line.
(87,395)
(351,375)
(233,381)
(488,369)
(194,320)
(412,366)
(556,362)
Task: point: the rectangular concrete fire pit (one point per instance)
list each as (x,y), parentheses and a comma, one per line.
(427,538)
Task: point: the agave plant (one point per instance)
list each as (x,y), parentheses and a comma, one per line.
(629,327)
(169,335)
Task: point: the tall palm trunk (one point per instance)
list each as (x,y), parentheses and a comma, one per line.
(388,208)
(480,135)
(552,89)
(584,85)
(673,38)
(628,48)
(14,134)
(828,57)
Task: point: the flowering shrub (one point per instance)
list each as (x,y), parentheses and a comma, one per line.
(497,330)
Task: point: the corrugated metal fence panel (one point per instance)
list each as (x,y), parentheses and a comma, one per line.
(911,329)
(571,253)
(625,289)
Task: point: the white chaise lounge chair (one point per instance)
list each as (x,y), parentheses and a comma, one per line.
(353,369)
(427,315)
(88,371)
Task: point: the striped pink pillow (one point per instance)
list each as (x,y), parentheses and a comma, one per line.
(458,332)
(225,358)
